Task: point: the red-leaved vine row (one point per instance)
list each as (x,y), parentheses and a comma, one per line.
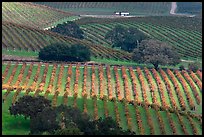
(50,85)
(93,77)
(25,86)
(84,91)
(110,92)
(105,106)
(117,86)
(169,88)
(42,83)
(181,122)
(20,76)
(186,90)
(149,120)
(143,85)
(171,122)
(67,85)
(161,122)
(95,108)
(60,76)
(177,89)
(199,74)
(126,86)
(12,74)
(76,79)
(193,87)
(193,126)
(161,88)
(6,71)
(127,114)
(134,85)
(139,120)
(152,86)
(101,82)
(197,80)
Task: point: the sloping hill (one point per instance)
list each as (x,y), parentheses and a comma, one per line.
(142,100)
(140,119)
(167,88)
(30,14)
(187,43)
(108,8)
(18,37)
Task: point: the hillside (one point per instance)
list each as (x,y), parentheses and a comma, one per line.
(168,88)
(33,15)
(107,88)
(141,119)
(18,37)
(186,38)
(187,43)
(140,98)
(108,8)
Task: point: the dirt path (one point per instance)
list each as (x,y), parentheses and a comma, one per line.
(173,8)
(18,58)
(173,11)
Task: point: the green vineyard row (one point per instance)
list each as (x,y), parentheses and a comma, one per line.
(18,37)
(187,43)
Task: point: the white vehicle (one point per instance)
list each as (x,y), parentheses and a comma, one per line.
(122,13)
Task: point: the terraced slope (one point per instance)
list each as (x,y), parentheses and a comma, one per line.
(30,14)
(18,37)
(108,8)
(187,43)
(190,24)
(170,89)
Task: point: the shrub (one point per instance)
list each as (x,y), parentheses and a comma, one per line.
(69,29)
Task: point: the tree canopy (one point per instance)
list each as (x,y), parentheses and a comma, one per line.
(29,106)
(64,52)
(156,53)
(69,29)
(125,38)
(65,120)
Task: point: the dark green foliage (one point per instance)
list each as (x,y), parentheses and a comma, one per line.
(125,38)
(44,121)
(66,120)
(181,67)
(194,66)
(69,29)
(29,106)
(70,130)
(63,52)
(108,126)
(156,53)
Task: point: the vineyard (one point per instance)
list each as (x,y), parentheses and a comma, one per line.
(108,8)
(18,37)
(170,89)
(166,101)
(190,24)
(187,43)
(139,118)
(31,14)
(145,101)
